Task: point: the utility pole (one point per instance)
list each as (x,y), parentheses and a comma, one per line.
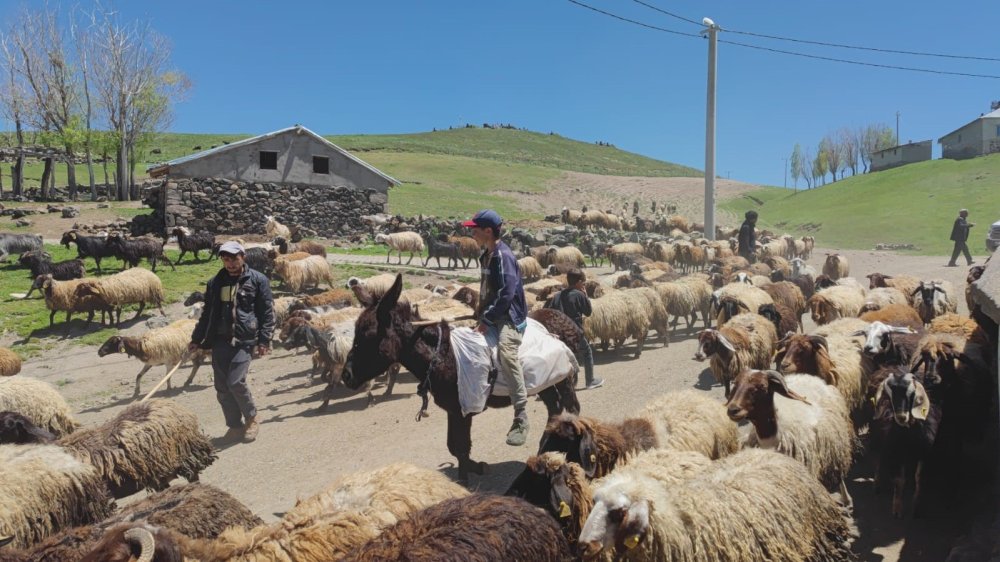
(786,171)
(712,31)
(897,128)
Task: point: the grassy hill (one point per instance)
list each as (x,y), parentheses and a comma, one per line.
(913,204)
(444,172)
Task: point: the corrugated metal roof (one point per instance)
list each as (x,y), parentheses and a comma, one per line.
(295,128)
(995,114)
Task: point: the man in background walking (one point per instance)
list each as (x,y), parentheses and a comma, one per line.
(960,234)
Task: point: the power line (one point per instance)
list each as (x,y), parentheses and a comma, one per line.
(784,52)
(824,43)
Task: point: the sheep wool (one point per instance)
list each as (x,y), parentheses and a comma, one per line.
(132,286)
(43,490)
(835,302)
(10,363)
(744,295)
(615,317)
(531,270)
(38,401)
(300,274)
(687,420)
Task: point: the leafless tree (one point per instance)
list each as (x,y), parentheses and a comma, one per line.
(832,153)
(807,167)
(849,150)
(14,108)
(81,38)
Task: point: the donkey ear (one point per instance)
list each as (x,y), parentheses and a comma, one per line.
(921,402)
(388,302)
(776,383)
(587,456)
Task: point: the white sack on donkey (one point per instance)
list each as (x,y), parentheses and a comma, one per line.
(545,360)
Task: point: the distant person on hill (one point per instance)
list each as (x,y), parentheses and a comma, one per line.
(959,234)
(573,302)
(748,238)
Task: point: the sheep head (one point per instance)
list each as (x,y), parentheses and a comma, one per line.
(550,482)
(17,429)
(878,337)
(595,451)
(121,543)
(906,396)
(68,237)
(620,517)
(800,353)
(820,309)
(85,290)
(114,344)
(876,280)
(926,291)
(753,397)
(711,342)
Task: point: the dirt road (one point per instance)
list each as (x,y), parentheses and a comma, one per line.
(301,449)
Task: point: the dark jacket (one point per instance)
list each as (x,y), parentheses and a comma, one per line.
(253,309)
(501,294)
(747,240)
(960,231)
(572,303)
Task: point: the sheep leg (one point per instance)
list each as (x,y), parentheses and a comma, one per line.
(898,486)
(98,261)
(139,378)
(639,341)
(142,305)
(388,255)
(166,259)
(371,396)
(152,262)
(52,316)
(428,260)
(196,361)
(181,257)
(411,259)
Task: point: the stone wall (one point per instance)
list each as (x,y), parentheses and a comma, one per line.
(226,207)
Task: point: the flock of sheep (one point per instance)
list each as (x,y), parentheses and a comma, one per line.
(678,480)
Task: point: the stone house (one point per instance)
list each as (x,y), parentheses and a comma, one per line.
(901,155)
(977,138)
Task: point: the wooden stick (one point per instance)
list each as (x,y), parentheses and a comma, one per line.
(166,378)
(449,320)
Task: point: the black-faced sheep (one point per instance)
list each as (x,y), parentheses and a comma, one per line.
(307,246)
(133,250)
(747,341)
(737,298)
(39,402)
(790,296)
(800,416)
(642,519)
(89,247)
(193,242)
(401,242)
(904,283)
(934,298)
(165,346)
(257,258)
(16,429)
(783,319)
(145,446)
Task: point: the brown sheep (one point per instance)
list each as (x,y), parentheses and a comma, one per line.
(785,321)
(895,315)
(468,248)
(836,266)
(778,263)
(835,359)
(905,283)
(790,296)
(338,297)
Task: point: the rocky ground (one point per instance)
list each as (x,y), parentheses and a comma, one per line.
(301,448)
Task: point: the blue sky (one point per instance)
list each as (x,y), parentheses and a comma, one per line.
(388,66)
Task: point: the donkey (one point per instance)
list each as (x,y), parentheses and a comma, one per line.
(384,334)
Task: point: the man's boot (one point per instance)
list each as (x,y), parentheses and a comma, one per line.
(250,429)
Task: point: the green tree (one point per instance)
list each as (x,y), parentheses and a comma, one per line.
(796,164)
(820,165)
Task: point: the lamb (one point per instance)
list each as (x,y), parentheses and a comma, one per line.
(615,317)
(165,346)
(801,269)
(61,296)
(44,490)
(89,247)
(132,286)
(11,243)
(275,229)
(747,341)
(376,285)
(307,246)
(933,299)
(476,527)
(401,242)
(135,249)
(783,319)
(530,269)
(302,273)
(684,420)
(737,297)
(145,446)
(904,283)
(808,421)
(437,249)
(894,315)
(192,242)
(39,402)
(703,519)
(569,254)
(836,266)
(468,248)
(835,359)
(835,302)
(327,526)
(10,363)
(789,296)
(40,264)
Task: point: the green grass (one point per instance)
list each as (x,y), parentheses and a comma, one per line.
(367,249)
(914,204)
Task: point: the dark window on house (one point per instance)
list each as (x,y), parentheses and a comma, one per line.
(959,138)
(268,160)
(998,130)
(321,165)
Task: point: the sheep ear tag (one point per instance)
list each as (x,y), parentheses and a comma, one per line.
(121,348)
(921,403)
(564,510)
(631,541)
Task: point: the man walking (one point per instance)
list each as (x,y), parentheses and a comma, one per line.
(748,238)
(959,234)
(573,302)
(236,324)
(502,312)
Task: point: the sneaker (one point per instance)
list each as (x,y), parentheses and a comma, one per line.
(596,383)
(250,429)
(518,433)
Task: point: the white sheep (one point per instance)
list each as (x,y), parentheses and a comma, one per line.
(376,285)
(300,274)
(645,298)
(132,286)
(881,297)
(800,269)
(616,318)
(835,302)
(800,416)
(569,255)
(530,269)
(754,505)
(165,346)
(10,363)
(401,242)
(737,298)
(38,401)
(747,341)
(275,229)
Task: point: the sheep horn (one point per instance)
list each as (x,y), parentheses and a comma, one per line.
(6,540)
(143,538)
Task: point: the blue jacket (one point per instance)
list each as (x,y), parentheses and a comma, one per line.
(501,294)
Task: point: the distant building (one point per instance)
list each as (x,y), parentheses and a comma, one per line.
(978,138)
(294,155)
(901,155)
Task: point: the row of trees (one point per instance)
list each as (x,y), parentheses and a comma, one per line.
(87,82)
(848,149)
